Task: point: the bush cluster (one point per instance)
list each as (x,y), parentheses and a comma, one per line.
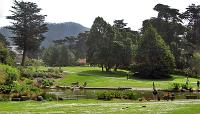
(25,87)
(33,62)
(40,75)
(178,86)
(8,75)
(45,82)
(175,86)
(6,89)
(108,95)
(4,98)
(50,73)
(26,90)
(186,72)
(48,96)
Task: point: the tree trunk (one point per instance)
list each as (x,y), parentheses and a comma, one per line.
(107,68)
(23,57)
(101,67)
(115,69)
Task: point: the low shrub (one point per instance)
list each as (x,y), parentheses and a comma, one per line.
(175,86)
(27,72)
(117,94)
(184,86)
(6,89)
(55,70)
(47,82)
(2,76)
(33,62)
(9,74)
(130,95)
(15,95)
(34,90)
(54,75)
(5,98)
(25,88)
(48,96)
(41,74)
(108,95)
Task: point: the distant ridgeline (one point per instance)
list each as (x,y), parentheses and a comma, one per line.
(56,31)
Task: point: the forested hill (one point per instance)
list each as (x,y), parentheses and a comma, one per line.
(56,31)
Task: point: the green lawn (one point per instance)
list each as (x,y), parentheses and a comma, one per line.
(102,107)
(96,78)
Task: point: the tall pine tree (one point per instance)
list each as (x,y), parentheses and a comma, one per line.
(28,26)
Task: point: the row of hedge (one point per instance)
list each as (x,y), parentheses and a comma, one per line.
(30,72)
(109,95)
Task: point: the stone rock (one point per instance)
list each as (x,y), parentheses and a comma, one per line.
(40,98)
(16,99)
(60,98)
(24,98)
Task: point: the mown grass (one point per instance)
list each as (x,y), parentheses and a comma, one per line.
(96,78)
(102,107)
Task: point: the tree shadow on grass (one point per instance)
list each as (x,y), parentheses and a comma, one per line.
(102,73)
(170,78)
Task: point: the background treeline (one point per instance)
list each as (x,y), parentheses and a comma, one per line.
(6,56)
(168,43)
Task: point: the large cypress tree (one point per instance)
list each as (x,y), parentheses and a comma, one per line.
(99,43)
(28,26)
(192,15)
(153,57)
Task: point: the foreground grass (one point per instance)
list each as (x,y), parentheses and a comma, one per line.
(96,78)
(103,107)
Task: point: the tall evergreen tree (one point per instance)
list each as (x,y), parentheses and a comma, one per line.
(168,14)
(123,44)
(169,25)
(28,26)
(192,15)
(99,43)
(153,57)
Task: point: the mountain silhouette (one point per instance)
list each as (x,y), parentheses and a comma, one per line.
(56,31)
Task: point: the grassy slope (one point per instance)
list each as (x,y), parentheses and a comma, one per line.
(105,107)
(96,78)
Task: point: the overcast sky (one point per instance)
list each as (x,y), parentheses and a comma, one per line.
(85,11)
